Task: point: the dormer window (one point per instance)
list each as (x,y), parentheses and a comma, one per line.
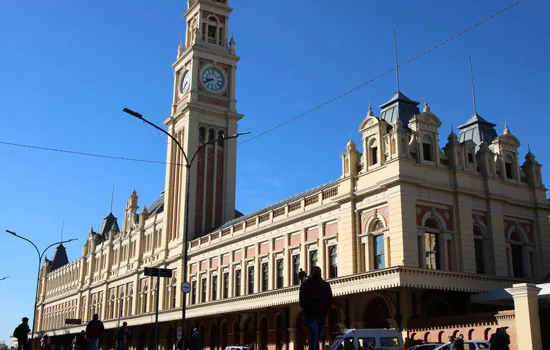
(373,152)
(427,147)
(508,161)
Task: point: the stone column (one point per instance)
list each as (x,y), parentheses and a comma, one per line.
(403,228)
(347,262)
(496,223)
(526,305)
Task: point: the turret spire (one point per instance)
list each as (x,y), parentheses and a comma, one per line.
(396,60)
(473,88)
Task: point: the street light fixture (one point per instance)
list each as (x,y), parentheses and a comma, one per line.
(188,164)
(40,256)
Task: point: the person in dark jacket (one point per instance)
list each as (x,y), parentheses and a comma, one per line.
(21,333)
(315,301)
(94,330)
(500,340)
(196,341)
(457,344)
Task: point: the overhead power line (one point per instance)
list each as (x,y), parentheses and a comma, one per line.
(83,153)
(383,74)
(291,119)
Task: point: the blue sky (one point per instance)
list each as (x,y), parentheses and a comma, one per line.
(67,69)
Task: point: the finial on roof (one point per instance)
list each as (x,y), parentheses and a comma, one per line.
(370,113)
(506,129)
(350,145)
(426,107)
(232,44)
(180,48)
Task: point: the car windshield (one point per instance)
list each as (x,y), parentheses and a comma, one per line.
(342,344)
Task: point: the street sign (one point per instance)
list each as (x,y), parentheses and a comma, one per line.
(154,271)
(73,321)
(185,287)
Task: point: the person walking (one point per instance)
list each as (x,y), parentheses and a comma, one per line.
(94,330)
(315,301)
(196,341)
(457,343)
(21,332)
(122,336)
(301,276)
(45,342)
(500,340)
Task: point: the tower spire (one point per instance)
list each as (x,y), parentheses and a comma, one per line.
(473,88)
(396,59)
(62,228)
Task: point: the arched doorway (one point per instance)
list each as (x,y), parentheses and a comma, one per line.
(250,332)
(279,332)
(377,314)
(236,333)
(263,334)
(213,336)
(302,333)
(333,325)
(223,335)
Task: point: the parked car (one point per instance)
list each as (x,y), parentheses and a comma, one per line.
(469,345)
(366,339)
(238,347)
(427,346)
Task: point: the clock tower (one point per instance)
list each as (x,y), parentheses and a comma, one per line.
(203,109)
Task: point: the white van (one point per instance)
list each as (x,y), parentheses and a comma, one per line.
(367,339)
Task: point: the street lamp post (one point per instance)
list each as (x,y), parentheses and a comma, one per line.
(188,164)
(40,256)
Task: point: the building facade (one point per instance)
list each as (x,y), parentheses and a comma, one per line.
(405,235)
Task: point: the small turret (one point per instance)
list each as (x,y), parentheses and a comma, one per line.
(350,159)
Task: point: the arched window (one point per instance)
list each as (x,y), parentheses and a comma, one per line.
(214,288)
(212,25)
(333,262)
(377,244)
(508,167)
(143,297)
(251,280)
(202,134)
(211,135)
(280,273)
(516,246)
(432,245)
(427,148)
(479,249)
(313,259)
(265,277)
(237,283)
(295,269)
(221,137)
(373,152)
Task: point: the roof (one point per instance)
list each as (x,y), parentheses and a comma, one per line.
(158,206)
(108,224)
(477,129)
(59,258)
(399,107)
(280,204)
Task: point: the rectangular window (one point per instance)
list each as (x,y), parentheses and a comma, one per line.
(379,262)
(225,285)
(431,245)
(203,291)
(508,168)
(333,262)
(480,261)
(251,280)
(280,273)
(313,260)
(470,157)
(265,277)
(295,269)
(237,283)
(214,288)
(193,292)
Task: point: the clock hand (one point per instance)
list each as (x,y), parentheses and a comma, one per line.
(207,80)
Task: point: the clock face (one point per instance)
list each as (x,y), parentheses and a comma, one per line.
(185,82)
(213,79)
